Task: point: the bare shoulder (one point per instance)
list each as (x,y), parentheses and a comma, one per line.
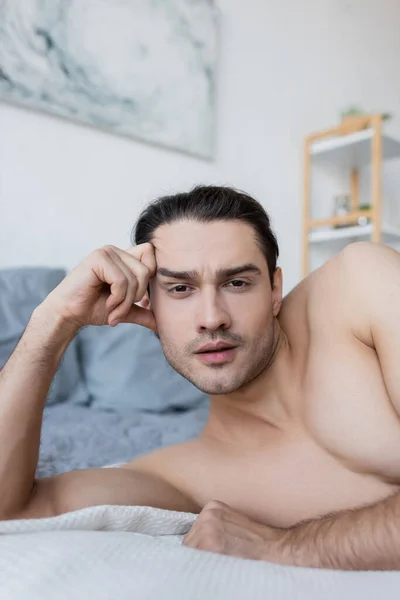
(356,264)
(172,463)
(322,301)
(316,296)
(146,481)
(343,291)
(158,459)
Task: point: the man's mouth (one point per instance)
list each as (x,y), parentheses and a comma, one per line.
(216,353)
(214,347)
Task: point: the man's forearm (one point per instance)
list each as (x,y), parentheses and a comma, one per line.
(367,538)
(24,384)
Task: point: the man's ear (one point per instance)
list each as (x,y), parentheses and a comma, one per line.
(277,292)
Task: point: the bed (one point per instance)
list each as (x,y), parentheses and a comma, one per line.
(76,437)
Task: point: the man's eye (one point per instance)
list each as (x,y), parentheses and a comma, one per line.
(238,283)
(179,289)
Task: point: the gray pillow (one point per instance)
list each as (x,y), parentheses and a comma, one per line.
(124,368)
(21,290)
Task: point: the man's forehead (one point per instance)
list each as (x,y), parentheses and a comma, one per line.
(196,237)
(206,248)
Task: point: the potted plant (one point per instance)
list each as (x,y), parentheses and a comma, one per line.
(357,119)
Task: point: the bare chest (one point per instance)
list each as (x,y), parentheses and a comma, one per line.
(283,485)
(345,454)
(347,409)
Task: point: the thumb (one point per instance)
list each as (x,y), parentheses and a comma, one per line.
(140,316)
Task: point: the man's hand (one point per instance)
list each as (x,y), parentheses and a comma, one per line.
(219,528)
(360,539)
(105,288)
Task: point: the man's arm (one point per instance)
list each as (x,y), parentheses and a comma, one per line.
(368,537)
(103,289)
(363,539)
(125,486)
(24,384)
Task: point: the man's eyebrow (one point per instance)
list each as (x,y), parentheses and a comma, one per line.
(247,268)
(164,272)
(221,273)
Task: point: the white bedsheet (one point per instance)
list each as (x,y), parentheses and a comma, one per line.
(129,553)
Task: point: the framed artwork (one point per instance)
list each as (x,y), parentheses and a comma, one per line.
(139,68)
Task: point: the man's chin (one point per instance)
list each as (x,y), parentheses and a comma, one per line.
(213,380)
(217,388)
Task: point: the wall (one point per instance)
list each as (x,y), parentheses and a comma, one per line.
(286,69)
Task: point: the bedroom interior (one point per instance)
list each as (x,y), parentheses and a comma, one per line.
(246,94)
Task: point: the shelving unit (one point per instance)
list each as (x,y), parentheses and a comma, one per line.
(352,145)
(389,234)
(352,150)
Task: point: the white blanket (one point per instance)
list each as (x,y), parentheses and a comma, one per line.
(129,553)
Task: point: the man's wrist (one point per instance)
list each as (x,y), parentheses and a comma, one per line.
(285,547)
(51,328)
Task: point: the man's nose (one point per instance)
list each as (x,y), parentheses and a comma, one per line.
(212,314)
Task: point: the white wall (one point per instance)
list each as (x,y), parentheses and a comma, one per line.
(286,69)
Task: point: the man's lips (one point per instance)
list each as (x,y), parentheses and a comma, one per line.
(216,353)
(215,347)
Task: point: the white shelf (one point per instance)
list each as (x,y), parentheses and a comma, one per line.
(389,234)
(353,150)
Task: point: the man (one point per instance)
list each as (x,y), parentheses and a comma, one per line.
(299,462)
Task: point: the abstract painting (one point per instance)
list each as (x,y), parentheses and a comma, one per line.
(139,68)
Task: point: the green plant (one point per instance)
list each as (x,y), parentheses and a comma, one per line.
(356,111)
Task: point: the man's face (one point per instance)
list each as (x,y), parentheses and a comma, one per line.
(212,286)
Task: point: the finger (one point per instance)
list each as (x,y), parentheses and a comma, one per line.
(189,534)
(193,531)
(191,539)
(117,310)
(122,309)
(145,253)
(240,525)
(140,316)
(213,541)
(226,514)
(190,542)
(217,504)
(139,270)
(194,534)
(137,275)
(108,272)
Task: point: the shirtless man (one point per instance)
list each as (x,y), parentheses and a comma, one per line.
(299,462)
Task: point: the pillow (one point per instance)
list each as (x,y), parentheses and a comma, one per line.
(124,368)
(21,290)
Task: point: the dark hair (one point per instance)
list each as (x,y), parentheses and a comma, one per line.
(206,203)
